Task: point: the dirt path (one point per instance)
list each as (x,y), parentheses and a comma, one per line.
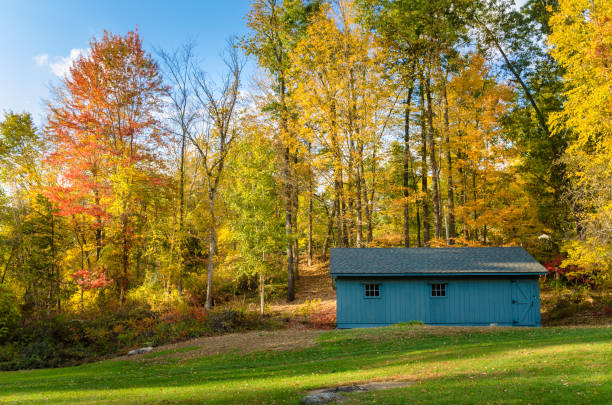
(247,342)
(314,283)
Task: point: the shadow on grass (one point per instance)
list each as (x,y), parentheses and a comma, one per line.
(279,376)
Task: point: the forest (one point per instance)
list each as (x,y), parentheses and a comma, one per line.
(154,193)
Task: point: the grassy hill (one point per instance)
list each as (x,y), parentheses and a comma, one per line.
(447,365)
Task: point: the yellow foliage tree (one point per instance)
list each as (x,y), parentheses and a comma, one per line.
(581,41)
(341,96)
(493,204)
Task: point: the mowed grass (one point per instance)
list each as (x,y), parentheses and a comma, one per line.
(563,365)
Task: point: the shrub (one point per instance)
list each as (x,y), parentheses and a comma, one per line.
(318,316)
(9,312)
(227,320)
(61,340)
(276,291)
(323,318)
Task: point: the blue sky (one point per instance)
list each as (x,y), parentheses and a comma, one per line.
(38,37)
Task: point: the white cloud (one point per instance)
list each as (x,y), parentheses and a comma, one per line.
(41,59)
(63,64)
(59,65)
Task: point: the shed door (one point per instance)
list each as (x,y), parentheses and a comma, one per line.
(523,301)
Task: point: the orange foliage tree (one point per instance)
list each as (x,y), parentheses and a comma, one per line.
(105,135)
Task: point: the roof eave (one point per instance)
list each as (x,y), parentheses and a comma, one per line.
(455,274)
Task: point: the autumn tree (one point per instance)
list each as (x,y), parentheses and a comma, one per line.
(104,129)
(581,41)
(421,37)
(179,68)
(30,231)
(256,226)
(275,28)
(217,132)
(342,94)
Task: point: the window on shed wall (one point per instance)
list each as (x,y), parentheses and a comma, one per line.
(438,290)
(372,290)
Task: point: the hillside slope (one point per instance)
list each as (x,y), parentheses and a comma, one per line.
(445,365)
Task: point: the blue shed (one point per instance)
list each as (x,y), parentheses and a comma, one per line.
(438,286)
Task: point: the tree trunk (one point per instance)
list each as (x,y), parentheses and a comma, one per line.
(212,248)
(294,223)
(418,221)
(372,194)
(366,204)
(330,230)
(124,259)
(424,190)
(449,181)
(432,157)
(474,196)
(358,196)
(8,262)
(310,186)
(406,173)
(181,211)
(287,182)
(463,173)
(262,294)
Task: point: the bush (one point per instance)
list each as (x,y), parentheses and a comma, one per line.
(9,312)
(323,319)
(62,340)
(318,316)
(276,291)
(563,305)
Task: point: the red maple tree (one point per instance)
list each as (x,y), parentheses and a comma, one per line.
(104,131)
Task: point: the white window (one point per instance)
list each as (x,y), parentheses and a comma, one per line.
(438,290)
(372,290)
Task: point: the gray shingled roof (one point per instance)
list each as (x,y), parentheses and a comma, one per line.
(412,261)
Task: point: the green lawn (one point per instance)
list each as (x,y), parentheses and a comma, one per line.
(454,366)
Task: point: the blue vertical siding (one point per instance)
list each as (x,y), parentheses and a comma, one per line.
(468,301)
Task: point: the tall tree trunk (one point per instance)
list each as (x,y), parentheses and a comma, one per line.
(288,229)
(8,262)
(288,194)
(124,258)
(449,181)
(406,172)
(424,190)
(181,211)
(345,227)
(366,205)
(358,199)
(432,157)
(55,276)
(418,221)
(262,293)
(330,230)
(358,196)
(294,217)
(212,248)
(371,200)
(338,182)
(463,173)
(310,186)
(474,196)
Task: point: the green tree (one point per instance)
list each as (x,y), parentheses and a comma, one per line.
(257,226)
(276,26)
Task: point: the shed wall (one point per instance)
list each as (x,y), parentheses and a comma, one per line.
(468,301)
